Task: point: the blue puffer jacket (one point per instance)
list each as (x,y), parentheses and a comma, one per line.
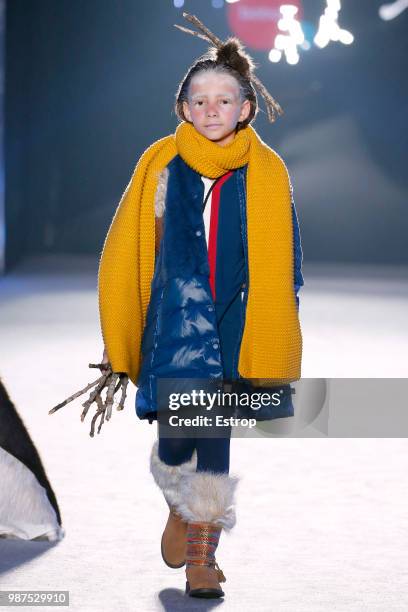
(181,338)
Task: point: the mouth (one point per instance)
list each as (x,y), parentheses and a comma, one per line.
(213,125)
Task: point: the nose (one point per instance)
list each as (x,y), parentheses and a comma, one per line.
(211,110)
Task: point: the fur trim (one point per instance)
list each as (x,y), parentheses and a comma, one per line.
(160,196)
(167,477)
(208,497)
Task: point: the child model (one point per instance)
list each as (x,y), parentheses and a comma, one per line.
(199,278)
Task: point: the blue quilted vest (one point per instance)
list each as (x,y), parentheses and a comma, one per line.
(182,337)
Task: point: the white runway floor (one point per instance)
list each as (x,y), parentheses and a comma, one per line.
(322,524)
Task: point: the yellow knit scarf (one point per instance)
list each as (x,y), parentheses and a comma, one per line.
(271,345)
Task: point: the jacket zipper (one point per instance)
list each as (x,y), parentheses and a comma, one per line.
(244,292)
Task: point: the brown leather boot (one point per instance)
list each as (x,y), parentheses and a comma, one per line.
(207,504)
(202,571)
(174,540)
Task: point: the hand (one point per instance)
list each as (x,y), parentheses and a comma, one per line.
(105,358)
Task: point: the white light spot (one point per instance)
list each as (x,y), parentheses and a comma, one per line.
(329,29)
(290,36)
(275,55)
(392,9)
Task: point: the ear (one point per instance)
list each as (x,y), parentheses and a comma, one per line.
(186,110)
(245,110)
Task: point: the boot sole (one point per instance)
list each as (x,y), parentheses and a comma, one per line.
(166,562)
(203,592)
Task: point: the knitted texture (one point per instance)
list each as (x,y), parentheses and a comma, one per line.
(271,346)
(202,542)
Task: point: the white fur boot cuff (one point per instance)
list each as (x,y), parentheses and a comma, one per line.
(167,477)
(208,497)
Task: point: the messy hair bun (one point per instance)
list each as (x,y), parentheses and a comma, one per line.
(232,53)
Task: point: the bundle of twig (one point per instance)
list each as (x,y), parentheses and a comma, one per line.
(109,380)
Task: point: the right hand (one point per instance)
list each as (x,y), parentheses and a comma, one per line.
(105,358)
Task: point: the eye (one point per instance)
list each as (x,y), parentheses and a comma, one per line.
(198,102)
(226,101)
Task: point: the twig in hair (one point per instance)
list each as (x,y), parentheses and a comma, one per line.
(192,32)
(272,105)
(194,20)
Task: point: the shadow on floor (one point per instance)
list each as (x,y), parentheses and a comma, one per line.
(175,600)
(14,553)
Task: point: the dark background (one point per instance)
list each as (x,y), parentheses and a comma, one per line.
(91,83)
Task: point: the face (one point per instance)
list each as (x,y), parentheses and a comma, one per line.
(214,106)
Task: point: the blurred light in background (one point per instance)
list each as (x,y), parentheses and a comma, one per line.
(258,23)
(255,22)
(329,29)
(278,27)
(293,36)
(392,9)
